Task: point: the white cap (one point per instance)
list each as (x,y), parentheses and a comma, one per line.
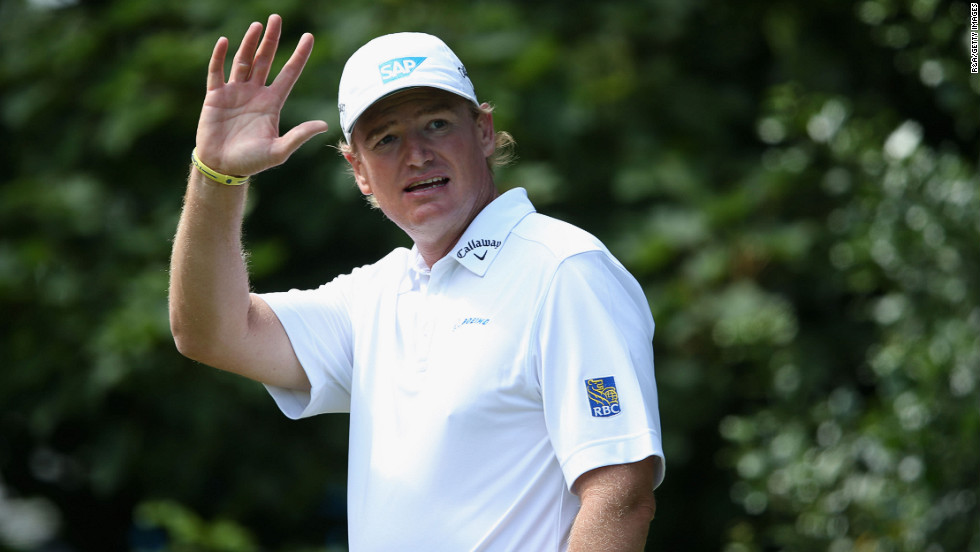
(394,62)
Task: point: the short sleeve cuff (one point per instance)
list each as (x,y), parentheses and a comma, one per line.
(294,404)
(610,452)
(328,392)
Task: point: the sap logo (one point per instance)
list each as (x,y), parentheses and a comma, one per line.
(603,397)
(398,68)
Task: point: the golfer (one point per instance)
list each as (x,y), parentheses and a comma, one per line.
(499,374)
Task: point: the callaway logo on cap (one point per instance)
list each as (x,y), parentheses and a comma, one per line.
(394,62)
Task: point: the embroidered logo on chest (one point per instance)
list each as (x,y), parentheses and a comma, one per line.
(603,397)
(470,321)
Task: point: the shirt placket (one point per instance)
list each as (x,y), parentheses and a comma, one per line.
(432,309)
(428,316)
(424,321)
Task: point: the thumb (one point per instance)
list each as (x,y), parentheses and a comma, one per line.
(297,136)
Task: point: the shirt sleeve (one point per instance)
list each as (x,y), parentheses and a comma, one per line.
(596,371)
(318,323)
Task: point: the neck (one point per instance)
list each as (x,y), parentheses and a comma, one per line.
(431,253)
(433,246)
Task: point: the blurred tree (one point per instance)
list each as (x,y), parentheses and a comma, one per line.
(795,185)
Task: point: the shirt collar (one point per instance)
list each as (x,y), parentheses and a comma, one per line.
(482,240)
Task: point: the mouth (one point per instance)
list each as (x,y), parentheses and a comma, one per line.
(428,184)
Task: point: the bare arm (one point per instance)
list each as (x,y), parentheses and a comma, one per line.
(617,507)
(213,317)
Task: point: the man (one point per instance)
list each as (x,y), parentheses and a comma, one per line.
(499,375)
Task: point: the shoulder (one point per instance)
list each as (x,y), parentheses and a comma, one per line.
(392,265)
(557,238)
(367,278)
(576,264)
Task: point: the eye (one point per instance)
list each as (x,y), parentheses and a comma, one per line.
(387,139)
(438,124)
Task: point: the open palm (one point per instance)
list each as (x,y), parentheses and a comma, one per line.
(238,132)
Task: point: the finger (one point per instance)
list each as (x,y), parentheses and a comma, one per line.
(297,136)
(293,68)
(242,66)
(216,67)
(266,53)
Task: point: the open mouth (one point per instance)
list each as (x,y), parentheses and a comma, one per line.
(429,184)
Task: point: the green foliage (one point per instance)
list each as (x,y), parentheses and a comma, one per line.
(794,184)
(188,532)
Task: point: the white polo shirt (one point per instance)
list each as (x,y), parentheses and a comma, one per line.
(479,391)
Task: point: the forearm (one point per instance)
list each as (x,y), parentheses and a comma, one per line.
(609,527)
(209,290)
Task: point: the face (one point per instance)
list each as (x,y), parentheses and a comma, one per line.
(423,155)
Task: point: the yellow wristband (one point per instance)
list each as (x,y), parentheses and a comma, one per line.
(215,175)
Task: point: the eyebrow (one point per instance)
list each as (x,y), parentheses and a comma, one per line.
(434,106)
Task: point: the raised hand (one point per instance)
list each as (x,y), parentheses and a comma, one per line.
(238,132)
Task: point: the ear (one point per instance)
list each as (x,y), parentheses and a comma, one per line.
(358,168)
(486,134)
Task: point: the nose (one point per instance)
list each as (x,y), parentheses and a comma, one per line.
(417,151)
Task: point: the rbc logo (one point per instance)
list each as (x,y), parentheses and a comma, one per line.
(398,68)
(603,397)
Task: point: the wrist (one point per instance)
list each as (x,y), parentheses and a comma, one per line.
(211,174)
